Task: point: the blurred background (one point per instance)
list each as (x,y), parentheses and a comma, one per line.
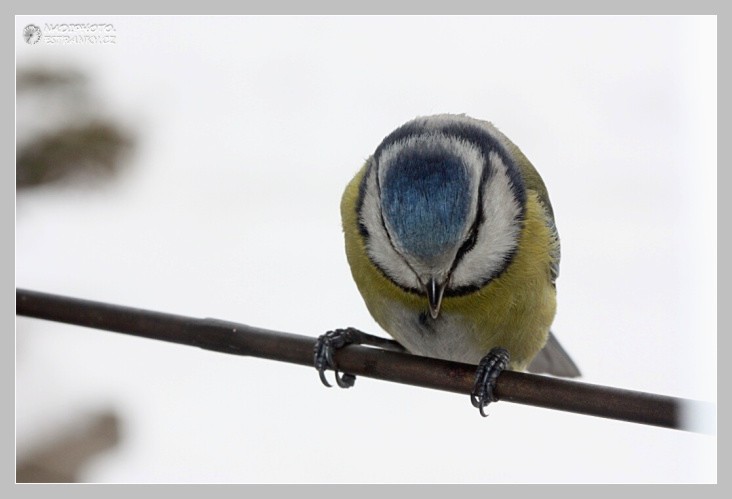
(194,165)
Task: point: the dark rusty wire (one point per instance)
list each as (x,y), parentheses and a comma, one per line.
(240,339)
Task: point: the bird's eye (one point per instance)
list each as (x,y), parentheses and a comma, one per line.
(470,241)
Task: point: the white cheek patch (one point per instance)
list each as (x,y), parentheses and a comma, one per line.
(497,235)
(378,246)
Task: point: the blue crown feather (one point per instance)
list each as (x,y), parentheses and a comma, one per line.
(425,199)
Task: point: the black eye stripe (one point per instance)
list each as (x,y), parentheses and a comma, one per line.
(469,243)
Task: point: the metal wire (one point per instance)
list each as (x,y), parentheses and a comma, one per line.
(240,339)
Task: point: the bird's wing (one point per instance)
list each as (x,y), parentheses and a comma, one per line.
(534,182)
(552,359)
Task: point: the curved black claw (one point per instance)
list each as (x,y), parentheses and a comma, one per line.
(326,345)
(489,368)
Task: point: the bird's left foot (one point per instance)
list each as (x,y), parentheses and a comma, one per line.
(326,345)
(490,367)
(332,341)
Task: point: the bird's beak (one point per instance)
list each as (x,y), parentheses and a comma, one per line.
(434,296)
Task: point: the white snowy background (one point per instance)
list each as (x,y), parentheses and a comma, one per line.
(248,130)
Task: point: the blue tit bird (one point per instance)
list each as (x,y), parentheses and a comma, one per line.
(451,240)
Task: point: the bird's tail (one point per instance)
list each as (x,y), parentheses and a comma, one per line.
(553,359)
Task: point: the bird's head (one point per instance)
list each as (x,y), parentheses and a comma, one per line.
(441,206)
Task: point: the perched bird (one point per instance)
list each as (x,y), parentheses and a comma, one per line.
(451,240)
